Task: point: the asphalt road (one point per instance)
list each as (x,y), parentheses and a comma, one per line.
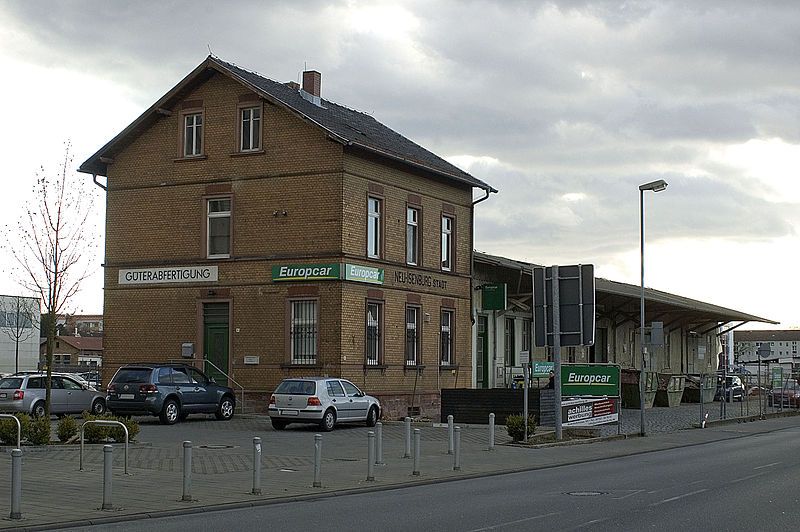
(747,483)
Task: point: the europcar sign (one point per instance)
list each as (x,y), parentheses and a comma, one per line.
(593,380)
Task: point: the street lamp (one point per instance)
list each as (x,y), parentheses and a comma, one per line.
(655,186)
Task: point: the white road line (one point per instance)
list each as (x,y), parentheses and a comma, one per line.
(510,523)
(773,464)
(679,497)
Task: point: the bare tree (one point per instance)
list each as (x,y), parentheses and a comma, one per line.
(53,245)
(20,317)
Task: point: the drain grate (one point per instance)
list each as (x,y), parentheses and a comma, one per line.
(585,493)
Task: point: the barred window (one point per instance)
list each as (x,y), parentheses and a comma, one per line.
(303,332)
(412,336)
(447,337)
(373,343)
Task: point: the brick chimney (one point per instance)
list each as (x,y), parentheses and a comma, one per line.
(312,82)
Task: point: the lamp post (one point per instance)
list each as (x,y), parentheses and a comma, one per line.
(655,186)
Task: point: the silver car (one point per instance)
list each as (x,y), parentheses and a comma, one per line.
(322,400)
(26,394)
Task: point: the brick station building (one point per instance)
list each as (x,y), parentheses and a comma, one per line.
(262,232)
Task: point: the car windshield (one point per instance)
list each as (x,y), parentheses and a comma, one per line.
(132,375)
(10,384)
(296,388)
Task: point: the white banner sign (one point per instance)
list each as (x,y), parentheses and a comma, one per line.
(182,274)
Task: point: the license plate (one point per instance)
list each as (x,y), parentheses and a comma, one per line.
(126,396)
(290,412)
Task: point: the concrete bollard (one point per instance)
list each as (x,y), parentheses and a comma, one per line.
(457,450)
(379,444)
(187,471)
(317,461)
(256,466)
(417,446)
(449,434)
(108,465)
(370,456)
(491,432)
(407,453)
(16,484)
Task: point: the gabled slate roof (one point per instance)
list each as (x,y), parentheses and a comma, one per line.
(351,128)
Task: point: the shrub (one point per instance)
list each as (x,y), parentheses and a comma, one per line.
(67,428)
(515,425)
(8,429)
(39,431)
(99,433)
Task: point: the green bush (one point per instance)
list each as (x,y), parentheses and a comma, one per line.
(93,433)
(39,431)
(515,425)
(8,429)
(67,428)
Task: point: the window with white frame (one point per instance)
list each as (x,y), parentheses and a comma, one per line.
(447,243)
(412,236)
(446,337)
(303,331)
(412,336)
(374,342)
(374,228)
(193,134)
(218,228)
(251,129)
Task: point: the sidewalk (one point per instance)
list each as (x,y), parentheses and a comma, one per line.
(54,492)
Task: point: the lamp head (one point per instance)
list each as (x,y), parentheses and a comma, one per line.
(655,186)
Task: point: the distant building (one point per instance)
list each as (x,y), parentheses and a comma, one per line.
(19,336)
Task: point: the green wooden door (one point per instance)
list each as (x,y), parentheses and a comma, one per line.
(215,340)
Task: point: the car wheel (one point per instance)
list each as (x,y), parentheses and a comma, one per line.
(38,409)
(98,407)
(328,420)
(170,413)
(225,410)
(372,416)
(277,424)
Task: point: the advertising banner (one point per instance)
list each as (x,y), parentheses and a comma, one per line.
(589,412)
(596,380)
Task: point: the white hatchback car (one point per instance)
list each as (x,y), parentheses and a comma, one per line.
(322,400)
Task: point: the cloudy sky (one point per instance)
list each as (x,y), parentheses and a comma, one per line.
(564,107)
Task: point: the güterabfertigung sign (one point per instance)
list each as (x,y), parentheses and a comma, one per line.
(595,380)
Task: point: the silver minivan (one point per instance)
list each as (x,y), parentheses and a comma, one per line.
(26,393)
(321,400)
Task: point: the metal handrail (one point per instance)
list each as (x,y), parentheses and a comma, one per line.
(207,361)
(105,422)
(19,427)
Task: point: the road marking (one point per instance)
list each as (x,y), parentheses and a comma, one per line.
(633,492)
(510,523)
(679,497)
(768,465)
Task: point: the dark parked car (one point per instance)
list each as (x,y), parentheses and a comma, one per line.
(169,391)
(733,389)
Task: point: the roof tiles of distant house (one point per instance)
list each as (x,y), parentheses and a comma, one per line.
(347,126)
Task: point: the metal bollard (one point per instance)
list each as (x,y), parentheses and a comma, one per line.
(407,453)
(317,460)
(256,466)
(457,457)
(415,472)
(450,434)
(491,432)
(187,471)
(16,484)
(379,444)
(108,465)
(370,456)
